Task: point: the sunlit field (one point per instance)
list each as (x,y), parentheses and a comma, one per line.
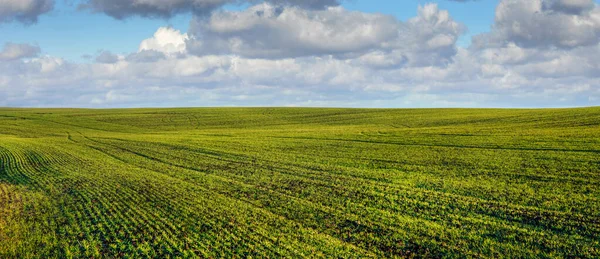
(299,182)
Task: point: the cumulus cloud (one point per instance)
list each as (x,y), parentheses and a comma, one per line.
(569,6)
(121,9)
(146,56)
(107,57)
(13,51)
(534,39)
(432,35)
(544,23)
(166,40)
(25,11)
(308,4)
(268,31)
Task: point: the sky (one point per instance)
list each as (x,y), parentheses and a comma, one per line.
(325,53)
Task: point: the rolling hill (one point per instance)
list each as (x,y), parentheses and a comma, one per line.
(299,182)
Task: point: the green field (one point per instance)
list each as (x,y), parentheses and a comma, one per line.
(299,182)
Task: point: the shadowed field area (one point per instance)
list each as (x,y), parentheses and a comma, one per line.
(299,182)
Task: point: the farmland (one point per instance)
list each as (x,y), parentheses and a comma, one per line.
(299,182)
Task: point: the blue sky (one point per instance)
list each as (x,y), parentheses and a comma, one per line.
(56,30)
(353,53)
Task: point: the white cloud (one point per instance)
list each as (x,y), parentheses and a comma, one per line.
(431,36)
(107,58)
(166,40)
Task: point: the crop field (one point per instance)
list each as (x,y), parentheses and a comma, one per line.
(299,182)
